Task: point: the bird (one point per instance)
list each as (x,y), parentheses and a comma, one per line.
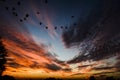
(18,3)
(15,14)
(46,1)
(55,27)
(66,27)
(40,23)
(72,16)
(21,20)
(46,27)
(61,27)
(27,15)
(24,18)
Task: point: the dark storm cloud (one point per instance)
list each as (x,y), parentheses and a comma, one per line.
(67,69)
(97,36)
(104,73)
(35,65)
(102,68)
(60,62)
(53,67)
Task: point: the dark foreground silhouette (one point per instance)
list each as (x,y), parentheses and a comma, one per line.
(3,54)
(107,78)
(52,79)
(7,77)
(110,78)
(92,78)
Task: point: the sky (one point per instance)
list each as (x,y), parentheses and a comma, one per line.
(61,38)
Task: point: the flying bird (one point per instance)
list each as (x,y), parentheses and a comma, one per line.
(55,27)
(72,16)
(61,27)
(66,27)
(27,15)
(15,14)
(46,1)
(21,20)
(46,27)
(25,19)
(18,3)
(40,23)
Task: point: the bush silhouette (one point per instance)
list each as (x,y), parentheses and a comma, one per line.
(92,78)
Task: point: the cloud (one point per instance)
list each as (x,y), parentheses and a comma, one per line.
(67,69)
(15,65)
(83,66)
(53,67)
(103,68)
(77,74)
(104,73)
(24,51)
(97,36)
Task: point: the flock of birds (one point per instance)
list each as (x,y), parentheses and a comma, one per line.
(14,12)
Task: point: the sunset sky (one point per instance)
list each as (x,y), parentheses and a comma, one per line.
(61,38)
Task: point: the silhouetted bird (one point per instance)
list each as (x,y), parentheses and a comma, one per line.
(61,27)
(55,27)
(46,27)
(66,27)
(46,1)
(15,14)
(27,15)
(72,16)
(40,23)
(21,20)
(92,78)
(25,19)
(18,3)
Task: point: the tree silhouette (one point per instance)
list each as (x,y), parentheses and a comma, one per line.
(92,78)
(3,55)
